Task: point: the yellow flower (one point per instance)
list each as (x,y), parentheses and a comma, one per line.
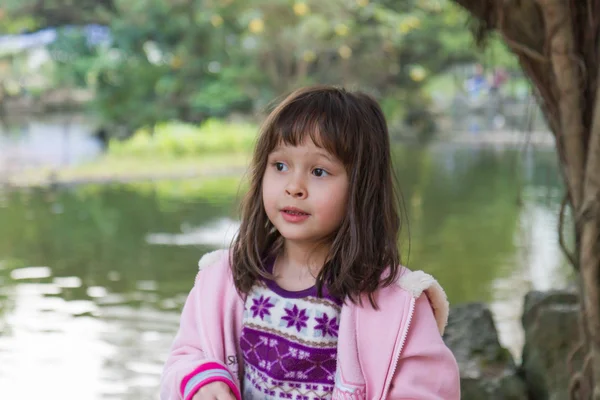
(413,22)
(362,3)
(345,52)
(417,73)
(341,30)
(301,9)
(216,20)
(409,24)
(403,27)
(176,62)
(309,56)
(256,25)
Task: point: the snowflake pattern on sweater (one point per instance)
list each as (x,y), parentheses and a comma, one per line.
(289,344)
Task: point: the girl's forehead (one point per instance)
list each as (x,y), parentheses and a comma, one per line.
(305,149)
(306,146)
(307,143)
(311,140)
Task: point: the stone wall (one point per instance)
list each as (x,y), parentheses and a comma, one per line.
(488,371)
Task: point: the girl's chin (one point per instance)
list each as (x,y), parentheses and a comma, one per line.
(297,238)
(300,238)
(289,234)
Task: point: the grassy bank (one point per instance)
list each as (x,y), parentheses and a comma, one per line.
(177,140)
(173,150)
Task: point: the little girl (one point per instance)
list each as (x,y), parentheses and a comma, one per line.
(311,302)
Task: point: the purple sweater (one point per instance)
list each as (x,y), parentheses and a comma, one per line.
(289,343)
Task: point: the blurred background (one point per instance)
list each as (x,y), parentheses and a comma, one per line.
(126,127)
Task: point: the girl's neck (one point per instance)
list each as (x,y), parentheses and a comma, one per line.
(298,265)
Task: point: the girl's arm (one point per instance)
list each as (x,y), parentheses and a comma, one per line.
(187,368)
(427,369)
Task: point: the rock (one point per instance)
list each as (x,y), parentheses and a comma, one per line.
(550,320)
(487,370)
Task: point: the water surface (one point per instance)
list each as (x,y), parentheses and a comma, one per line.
(92,278)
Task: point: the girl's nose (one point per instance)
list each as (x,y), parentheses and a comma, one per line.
(295,189)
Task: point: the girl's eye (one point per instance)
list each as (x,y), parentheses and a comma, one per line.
(281,167)
(320,172)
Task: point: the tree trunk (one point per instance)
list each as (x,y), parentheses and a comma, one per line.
(557,45)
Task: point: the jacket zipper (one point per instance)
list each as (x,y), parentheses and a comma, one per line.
(396,358)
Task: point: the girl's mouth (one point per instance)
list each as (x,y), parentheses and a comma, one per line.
(291,214)
(294,211)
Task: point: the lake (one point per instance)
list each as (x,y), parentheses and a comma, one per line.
(92,277)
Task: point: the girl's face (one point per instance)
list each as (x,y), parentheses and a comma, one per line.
(305,190)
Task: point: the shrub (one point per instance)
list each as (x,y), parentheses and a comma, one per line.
(176,139)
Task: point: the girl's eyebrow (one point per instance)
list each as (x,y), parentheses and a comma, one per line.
(279,149)
(326,155)
(276,152)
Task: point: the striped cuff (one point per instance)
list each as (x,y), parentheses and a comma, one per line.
(205,374)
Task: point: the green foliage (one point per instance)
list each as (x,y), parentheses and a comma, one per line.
(180,140)
(193,60)
(73,58)
(13,21)
(26,15)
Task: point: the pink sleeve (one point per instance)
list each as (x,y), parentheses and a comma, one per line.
(187,368)
(427,369)
(203,375)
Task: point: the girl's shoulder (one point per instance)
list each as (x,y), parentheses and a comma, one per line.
(213,259)
(412,285)
(214,266)
(417,283)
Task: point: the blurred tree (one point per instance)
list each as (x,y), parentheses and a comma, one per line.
(20,15)
(188,60)
(557,46)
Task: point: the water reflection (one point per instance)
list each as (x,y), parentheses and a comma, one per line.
(538,265)
(51,141)
(92,278)
(217,233)
(80,350)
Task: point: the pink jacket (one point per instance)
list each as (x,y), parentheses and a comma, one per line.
(395,352)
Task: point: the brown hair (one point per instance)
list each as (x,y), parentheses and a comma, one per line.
(352,127)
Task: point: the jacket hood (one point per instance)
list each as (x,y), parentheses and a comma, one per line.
(417,282)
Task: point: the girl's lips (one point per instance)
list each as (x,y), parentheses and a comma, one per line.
(294,215)
(294,210)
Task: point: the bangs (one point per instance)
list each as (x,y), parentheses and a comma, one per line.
(320,117)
